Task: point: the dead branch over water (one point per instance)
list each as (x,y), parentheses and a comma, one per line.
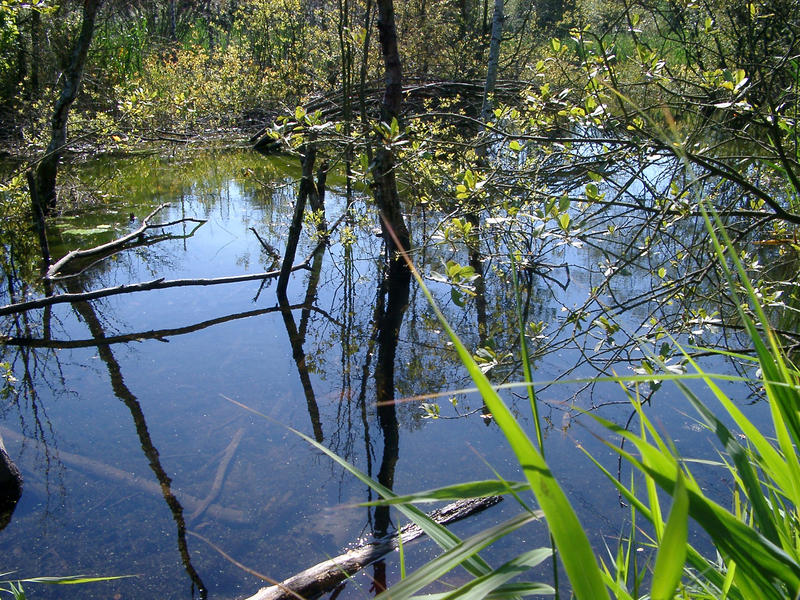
(115,245)
(161,283)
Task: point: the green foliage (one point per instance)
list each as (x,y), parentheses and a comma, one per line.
(13,587)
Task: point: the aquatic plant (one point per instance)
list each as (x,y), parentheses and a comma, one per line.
(14,588)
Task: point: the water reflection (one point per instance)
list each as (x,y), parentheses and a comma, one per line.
(121,391)
(360,337)
(298,337)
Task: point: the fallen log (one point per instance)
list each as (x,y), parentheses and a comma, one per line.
(93,467)
(328,574)
(114,245)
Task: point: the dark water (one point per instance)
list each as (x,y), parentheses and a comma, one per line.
(123,413)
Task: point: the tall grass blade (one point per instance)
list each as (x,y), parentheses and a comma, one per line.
(762,561)
(73,579)
(450,559)
(570,538)
(509,591)
(697,560)
(438,533)
(482,586)
(742,459)
(473,489)
(671,555)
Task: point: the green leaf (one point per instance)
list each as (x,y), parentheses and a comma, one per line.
(457,297)
(473,489)
(672,551)
(515,146)
(441,565)
(570,538)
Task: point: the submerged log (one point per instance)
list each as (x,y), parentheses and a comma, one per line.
(328,574)
(220,477)
(93,467)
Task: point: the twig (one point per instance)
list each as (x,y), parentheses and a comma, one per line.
(270,249)
(244,568)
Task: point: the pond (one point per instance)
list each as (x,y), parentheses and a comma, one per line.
(152,427)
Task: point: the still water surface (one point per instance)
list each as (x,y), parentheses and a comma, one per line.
(125,414)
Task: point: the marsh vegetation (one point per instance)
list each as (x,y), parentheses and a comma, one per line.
(268,265)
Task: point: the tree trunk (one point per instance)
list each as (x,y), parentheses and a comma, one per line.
(10,486)
(393,73)
(494,60)
(36,35)
(307,189)
(48,167)
(396,235)
(172,34)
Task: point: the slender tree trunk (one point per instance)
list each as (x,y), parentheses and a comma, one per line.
(307,190)
(494,59)
(172,34)
(362,82)
(36,35)
(22,52)
(392,304)
(386,196)
(48,167)
(39,222)
(393,73)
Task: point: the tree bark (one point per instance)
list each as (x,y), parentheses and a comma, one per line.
(393,72)
(36,35)
(494,59)
(326,575)
(48,166)
(307,190)
(392,223)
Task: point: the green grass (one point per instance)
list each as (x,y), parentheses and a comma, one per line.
(757,539)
